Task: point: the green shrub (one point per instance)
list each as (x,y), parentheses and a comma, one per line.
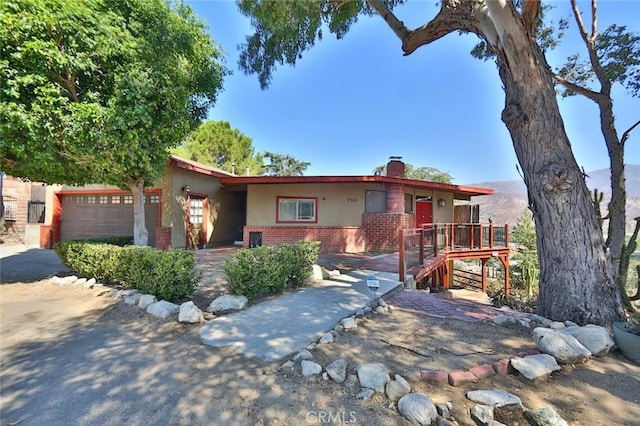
(270,270)
(168,275)
(62,247)
(100,261)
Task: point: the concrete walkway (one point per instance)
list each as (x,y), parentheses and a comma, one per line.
(278,327)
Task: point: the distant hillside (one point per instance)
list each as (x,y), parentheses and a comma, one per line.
(510,197)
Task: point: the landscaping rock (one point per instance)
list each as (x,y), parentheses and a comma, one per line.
(482,414)
(80,282)
(326,338)
(570,324)
(595,338)
(561,345)
(381,302)
(556,325)
(190,313)
(133,299)
(62,281)
(123,294)
(333,274)
(397,388)
(317,274)
(310,368)
(494,398)
(546,416)
(146,300)
(91,282)
(502,319)
(163,309)
(227,303)
(302,355)
(417,407)
(381,310)
(348,323)
(535,366)
(444,409)
(287,365)
(337,370)
(365,394)
(373,376)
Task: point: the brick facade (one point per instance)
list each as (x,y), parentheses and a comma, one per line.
(163,237)
(348,239)
(46,236)
(381,230)
(379,234)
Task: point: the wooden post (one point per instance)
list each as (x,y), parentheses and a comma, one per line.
(506,235)
(471,236)
(435,239)
(484,274)
(491,235)
(507,284)
(421,239)
(452,243)
(401,255)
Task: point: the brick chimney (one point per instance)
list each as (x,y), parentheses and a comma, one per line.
(395,167)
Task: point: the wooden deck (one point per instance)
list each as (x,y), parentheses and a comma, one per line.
(429,251)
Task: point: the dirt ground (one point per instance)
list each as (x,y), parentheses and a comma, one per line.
(215,385)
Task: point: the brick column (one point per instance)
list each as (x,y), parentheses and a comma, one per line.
(395,198)
(46,236)
(163,237)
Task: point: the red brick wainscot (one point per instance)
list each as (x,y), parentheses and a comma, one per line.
(349,239)
(381,230)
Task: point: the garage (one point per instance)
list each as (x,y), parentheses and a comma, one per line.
(90,215)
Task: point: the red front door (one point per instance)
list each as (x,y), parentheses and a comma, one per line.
(424,213)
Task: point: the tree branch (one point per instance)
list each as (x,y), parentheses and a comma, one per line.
(594,96)
(581,27)
(454,15)
(626,133)
(396,25)
(530,15)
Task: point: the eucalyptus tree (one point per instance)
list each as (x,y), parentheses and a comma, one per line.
(613,57)
(97,91)
(576,280)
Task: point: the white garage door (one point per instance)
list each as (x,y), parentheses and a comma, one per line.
(98,215)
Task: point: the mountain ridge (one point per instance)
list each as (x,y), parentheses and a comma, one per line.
(509,199)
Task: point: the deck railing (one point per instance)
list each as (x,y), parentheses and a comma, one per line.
(433,239)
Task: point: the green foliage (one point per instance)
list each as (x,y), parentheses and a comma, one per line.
(217,144)
(62,247)
(618,52)
(96,91)
(284,165)
(526,268)
(168,275)
(430,174)
(287,28)
(264,270)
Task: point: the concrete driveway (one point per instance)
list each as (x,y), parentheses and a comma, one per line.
(21,263)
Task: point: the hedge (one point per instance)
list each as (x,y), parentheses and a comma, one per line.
(268,269)
(168,275)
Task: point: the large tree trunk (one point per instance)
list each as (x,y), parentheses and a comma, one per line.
(140,234)
(576,280)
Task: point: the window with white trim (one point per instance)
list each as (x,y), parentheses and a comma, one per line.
(296,209)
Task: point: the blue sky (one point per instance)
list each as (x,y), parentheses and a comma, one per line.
(350,104)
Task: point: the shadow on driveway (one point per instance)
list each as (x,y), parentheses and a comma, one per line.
(20,263)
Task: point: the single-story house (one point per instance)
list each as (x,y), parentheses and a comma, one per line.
(194,205)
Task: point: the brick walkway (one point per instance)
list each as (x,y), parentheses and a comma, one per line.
(442,305)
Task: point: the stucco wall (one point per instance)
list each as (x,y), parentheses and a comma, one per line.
(340,204)
(174,201)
